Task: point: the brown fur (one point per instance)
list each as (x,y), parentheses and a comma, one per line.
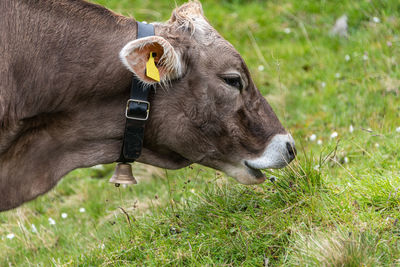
(63,91)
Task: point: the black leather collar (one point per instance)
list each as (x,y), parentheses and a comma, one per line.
(137,109)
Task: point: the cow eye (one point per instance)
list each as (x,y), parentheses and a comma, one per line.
(233,81)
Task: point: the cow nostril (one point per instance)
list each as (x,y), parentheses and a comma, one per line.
(291,149)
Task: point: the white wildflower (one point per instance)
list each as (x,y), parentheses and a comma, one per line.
(346,160)
(261,68)
(319,142)
(82,210)
(351,128)
(316,167)
(64,215)
(102,246)
(347,57)
(33,228)
(51,221)
(337,75)
(340,27)
(334,135)
(287,30)
(365,57)
(323,84)
(376,145)
(313,137)
(398,129)
(10,236)
(376,19)
(98,167)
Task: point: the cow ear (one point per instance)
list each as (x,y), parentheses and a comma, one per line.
(136,54)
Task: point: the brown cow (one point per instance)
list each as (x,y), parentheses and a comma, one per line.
(63,92)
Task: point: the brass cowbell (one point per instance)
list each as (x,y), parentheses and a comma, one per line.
(123,175)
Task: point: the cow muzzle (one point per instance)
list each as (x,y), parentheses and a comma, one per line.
(280,152)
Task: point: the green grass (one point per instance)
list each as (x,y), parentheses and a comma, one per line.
(336,205)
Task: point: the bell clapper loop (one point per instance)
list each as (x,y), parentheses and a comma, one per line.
(123,175)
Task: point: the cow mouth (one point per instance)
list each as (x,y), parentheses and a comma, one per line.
(256,173)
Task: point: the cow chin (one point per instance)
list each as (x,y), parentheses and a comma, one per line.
(244,174)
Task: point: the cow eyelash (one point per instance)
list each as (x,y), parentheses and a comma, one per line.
(234,81)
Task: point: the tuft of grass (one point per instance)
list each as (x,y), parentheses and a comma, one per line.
(299,180)
(335,248)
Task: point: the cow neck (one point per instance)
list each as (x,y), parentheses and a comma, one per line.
(137,109)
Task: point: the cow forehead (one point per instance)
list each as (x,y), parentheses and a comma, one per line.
(221,56)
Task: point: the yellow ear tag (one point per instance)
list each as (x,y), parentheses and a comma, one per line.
(151,69)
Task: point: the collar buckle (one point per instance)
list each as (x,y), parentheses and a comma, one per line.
(137,109)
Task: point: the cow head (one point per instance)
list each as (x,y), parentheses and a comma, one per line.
(206,108)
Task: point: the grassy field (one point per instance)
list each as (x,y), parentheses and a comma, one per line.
(336,205)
